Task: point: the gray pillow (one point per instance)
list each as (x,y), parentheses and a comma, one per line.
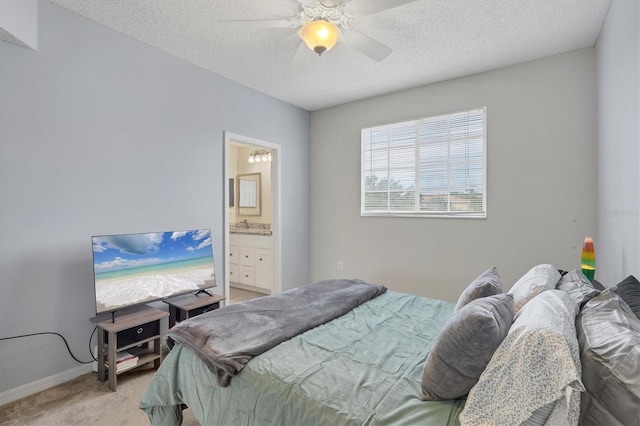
(609,337)
(464,347)
(488,283)
(535,281)
(629,291)
(578,286)
(598,285)
(540,416)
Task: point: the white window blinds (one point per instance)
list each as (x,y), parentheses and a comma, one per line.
(434,166)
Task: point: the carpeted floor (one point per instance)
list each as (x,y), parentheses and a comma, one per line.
(86,401)
(240,295)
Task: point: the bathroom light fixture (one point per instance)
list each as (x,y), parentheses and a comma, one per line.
(259,155)
(319,35)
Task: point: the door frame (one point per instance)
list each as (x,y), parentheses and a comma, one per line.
(275,204)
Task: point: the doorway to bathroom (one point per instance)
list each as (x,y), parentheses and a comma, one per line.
(252,219)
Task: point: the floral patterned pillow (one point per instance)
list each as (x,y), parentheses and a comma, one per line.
(537,364)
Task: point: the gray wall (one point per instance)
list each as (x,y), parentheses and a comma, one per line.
(541,144)
(617,50)
(101,134)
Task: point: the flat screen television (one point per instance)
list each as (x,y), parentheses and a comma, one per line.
(133,269)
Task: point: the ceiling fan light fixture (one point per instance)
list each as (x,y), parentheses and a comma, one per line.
(320,35)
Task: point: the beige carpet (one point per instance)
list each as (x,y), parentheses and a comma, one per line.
(240,295)
(86,401)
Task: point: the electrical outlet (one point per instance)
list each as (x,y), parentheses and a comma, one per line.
(340,265)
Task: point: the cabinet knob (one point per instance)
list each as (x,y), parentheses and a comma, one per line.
(247,276)
(260,259)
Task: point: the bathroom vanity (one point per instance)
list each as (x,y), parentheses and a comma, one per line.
(251,260)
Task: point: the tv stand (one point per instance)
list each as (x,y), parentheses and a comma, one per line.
(205,292)
(184,307)
(137,332)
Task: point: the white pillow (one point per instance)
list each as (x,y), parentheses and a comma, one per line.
(535,281)
(578,286)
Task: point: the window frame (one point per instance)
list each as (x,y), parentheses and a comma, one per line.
(430,214)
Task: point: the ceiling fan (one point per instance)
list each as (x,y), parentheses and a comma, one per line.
(322,23)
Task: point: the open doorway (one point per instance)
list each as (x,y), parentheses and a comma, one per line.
(252,218)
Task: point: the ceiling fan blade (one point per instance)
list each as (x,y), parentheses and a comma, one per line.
(259,24)
(302,56)
(358,8)
(365,44)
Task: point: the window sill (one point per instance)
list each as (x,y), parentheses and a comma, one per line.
(482,215)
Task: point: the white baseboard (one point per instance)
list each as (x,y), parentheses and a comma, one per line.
(43,384)
(250,288)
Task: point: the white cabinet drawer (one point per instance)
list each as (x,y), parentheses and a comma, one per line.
(264,269)
(234,273)
(246,256)
(246,275)
(256,241)
(234,255)
(262,256)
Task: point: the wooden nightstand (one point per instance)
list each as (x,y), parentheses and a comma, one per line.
(137,333)
(183,307)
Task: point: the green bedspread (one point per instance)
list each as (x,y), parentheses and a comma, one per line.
(363,368)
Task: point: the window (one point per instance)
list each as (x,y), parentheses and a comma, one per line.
(434,166)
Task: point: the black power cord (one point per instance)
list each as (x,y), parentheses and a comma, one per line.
(63,339)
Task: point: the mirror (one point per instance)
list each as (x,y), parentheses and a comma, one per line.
(249,195)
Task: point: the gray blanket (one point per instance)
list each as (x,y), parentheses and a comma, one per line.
(226,339)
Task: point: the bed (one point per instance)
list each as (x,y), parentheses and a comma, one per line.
(390,360)
(347,371)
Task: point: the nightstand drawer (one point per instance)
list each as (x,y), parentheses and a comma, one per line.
(136,334)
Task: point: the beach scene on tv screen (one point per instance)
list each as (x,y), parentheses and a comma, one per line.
(136,268)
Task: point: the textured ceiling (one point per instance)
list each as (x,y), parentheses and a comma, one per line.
(432,40)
